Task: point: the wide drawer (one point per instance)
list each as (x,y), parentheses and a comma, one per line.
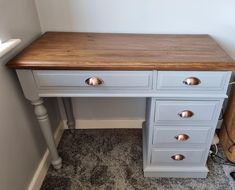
(178,136)
(193,81)
(177,156)
(186,112)
(93,79)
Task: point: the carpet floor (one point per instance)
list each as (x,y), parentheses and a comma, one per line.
(112,159)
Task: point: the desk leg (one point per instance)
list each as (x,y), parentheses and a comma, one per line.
(69,112)
(43,119)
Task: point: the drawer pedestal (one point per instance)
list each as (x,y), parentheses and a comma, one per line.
(179,130)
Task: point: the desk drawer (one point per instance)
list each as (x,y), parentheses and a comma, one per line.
(174,157)
(186,112)
(178,136)
(193,81)
(100,80)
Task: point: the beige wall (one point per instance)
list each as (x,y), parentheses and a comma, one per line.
(21,142)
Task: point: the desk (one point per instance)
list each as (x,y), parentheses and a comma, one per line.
(183,77)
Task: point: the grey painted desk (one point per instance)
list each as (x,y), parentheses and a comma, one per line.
(182,106)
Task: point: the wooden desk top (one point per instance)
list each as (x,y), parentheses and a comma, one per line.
(94,51)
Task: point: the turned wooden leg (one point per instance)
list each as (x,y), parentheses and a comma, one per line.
(69,112)
(43,119)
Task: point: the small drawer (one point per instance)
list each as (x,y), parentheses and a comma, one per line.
(186,112)
(176,136)
(93,80)
(174,157)
(192,82)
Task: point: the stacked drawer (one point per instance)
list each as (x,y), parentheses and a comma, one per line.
(93,82)
(180,129)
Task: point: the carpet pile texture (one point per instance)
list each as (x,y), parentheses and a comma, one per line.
(111,159)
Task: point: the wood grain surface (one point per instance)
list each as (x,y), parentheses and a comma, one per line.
(97,51)
(227,132)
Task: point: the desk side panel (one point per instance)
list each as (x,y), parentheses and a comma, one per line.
(28,84)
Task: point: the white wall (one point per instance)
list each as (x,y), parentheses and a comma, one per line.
(214,17)
(21,142)
(108,108)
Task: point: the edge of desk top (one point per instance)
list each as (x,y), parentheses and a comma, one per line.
(99,51)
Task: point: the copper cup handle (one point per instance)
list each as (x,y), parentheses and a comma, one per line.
(192,81)
(178,157)
(186,114)
(182,137)
(94,81)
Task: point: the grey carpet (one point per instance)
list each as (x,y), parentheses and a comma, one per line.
(227,170)
(111,159)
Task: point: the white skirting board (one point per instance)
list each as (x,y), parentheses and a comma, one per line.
(107,124)
(44,164)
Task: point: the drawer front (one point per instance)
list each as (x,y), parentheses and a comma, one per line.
(176,136)
(186,112)
(176,157)
(191,82)
(103,79)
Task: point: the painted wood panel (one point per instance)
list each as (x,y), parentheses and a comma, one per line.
(77,79)
(168,112)
(168,135)
(208,82)
(164,157)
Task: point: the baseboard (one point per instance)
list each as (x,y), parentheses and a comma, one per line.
(44,164)
(176,172)
(106,124)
